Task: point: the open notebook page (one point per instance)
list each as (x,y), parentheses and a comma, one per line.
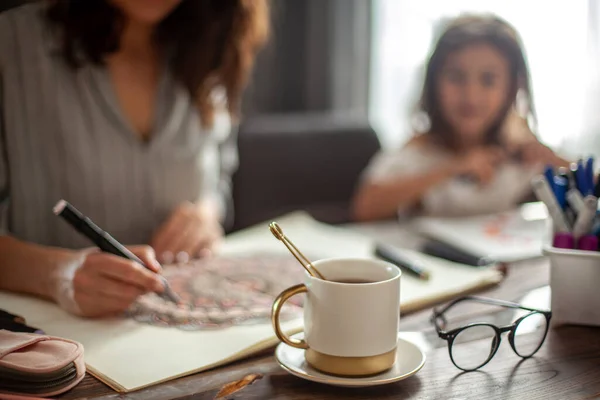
(128,355)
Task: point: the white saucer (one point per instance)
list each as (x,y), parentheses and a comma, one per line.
(409,360)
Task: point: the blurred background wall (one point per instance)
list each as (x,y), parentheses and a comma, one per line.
(340,78)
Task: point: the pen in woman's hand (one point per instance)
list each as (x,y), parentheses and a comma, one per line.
(105,242)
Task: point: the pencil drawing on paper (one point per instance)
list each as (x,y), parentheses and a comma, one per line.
(222,292)
(505,228)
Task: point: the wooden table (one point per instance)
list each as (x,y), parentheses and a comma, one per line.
(566,367)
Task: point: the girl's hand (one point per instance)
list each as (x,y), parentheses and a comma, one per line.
(480,163)
(192,231)
(534,153)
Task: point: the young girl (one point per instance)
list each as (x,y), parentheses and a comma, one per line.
(478,153)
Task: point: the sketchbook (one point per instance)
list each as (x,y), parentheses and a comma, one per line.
(503,237)
(153,344)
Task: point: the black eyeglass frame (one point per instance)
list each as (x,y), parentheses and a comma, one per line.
(449,336)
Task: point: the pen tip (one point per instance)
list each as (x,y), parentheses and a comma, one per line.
(172,295)
(425,276)
(59,207)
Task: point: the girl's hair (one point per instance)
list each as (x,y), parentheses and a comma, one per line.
(460,33)
(212,43)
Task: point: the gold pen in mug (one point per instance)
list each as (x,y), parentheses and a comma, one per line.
(351,319)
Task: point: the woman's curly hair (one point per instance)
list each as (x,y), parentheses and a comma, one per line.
(212,43)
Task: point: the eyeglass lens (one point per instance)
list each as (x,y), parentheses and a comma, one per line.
(530,334)
(463,356)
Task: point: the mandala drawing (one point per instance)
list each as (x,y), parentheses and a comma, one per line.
(221,292)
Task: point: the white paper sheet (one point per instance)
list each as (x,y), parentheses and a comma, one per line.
(504,237)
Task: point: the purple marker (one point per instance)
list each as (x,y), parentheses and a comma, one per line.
(563,240)
(588,242)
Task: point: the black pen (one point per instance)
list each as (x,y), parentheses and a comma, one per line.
(451,253)
(104,241)
(16,323)
(394,256)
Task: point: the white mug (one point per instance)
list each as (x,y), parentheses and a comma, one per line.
(350,319)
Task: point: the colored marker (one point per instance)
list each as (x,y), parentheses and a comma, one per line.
(566,173)
(563,240)
(560,191)
(596,227)
(575,199)
(542,190)
(585,219)
(549,174)
(581,178)
(589,172)
(588,242)
(574,168)
(597,187)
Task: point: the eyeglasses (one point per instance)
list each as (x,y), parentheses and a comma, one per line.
(535,322)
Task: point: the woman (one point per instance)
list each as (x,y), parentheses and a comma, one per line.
(122,107)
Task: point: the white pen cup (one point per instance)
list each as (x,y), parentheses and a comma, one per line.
(350,319)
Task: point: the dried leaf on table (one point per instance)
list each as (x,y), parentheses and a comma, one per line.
(233,387)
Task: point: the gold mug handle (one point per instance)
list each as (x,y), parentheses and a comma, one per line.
(276,309)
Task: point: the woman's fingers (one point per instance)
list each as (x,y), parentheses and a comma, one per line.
(196,241)
(107,284)
(181,242)
(191,231)
(107,295)
(161,242)
(117,290)
(126,271)
(91,307)
(147,255)
(205,246)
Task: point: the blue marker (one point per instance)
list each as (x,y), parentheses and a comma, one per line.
(596,227)
(566,173)
(561,186)
(549,174)
(573,168)
(589,171)
(581,178)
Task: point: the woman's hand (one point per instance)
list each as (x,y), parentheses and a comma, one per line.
(106,284)
(192,231)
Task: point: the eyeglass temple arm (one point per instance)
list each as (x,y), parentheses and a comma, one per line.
(484,300)
(503,303)
(438,314)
